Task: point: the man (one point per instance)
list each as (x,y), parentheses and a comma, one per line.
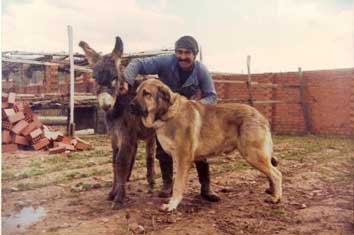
(186,76)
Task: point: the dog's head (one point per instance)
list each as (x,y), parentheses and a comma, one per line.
(108,73)
(152,101)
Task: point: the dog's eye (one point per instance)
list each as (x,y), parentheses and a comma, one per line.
(146,94)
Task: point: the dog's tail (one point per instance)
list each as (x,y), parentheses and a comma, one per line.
(274,161)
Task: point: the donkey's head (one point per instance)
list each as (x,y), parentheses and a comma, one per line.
(108,73)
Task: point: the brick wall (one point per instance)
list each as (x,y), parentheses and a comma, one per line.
(329,95)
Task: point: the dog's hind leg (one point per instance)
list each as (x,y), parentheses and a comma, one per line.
(150,149)
(112,193)
(259,159)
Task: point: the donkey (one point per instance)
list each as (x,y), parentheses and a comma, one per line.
(124,127)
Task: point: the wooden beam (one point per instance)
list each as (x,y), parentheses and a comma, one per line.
(230,81)
(21,61)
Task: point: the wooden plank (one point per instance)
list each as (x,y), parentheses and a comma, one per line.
(268,101)
(271,85)
(259,101)
(230,81)
(257,84)
(303,102)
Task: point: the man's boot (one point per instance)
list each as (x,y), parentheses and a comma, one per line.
(166,166)
(204,179)
(167,178)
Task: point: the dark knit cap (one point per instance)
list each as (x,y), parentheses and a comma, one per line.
(187,42)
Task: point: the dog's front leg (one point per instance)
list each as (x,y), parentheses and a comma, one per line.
(183,163)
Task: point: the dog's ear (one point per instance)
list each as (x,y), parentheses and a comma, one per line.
(165,94)
(163,102)
(91,55)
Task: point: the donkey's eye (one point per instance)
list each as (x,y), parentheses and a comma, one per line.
(146,94)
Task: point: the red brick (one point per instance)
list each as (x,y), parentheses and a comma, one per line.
(6,125)
(57,150)
(82,145)
(60,137)
(37,132)
(66,140)
(32,126)
(17,117)
(20,106)
(4,105)
(21,140)
(12,98)
(36,139)
(8,112)
(41,144)
(19,127)
(66,146)
(6,137)
(6,148)
(35,118)
(4,97)
(28,112)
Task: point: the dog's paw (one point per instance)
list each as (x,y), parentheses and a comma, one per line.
(167,208)
(272,200)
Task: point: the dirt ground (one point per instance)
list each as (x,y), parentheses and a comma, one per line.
(66,194)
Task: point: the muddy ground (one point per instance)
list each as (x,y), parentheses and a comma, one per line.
(65,194)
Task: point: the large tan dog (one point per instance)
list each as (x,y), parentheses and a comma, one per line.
(189,131)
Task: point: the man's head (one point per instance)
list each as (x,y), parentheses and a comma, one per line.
(186,49)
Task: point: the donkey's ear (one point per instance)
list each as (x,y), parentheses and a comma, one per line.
(118,49)
(91,55)
(117,54)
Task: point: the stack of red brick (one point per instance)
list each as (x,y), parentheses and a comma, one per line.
(21,128)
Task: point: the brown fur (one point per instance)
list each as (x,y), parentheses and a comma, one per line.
(190,131)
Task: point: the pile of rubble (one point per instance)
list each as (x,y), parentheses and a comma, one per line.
(21,129)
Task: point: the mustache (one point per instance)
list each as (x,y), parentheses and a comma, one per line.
(184,60)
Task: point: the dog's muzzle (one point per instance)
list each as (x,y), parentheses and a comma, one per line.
(136,109)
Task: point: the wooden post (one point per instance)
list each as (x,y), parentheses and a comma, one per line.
(249,81)
(72,81)
(303,102)
(200,54)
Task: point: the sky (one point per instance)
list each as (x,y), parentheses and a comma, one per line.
(279,35)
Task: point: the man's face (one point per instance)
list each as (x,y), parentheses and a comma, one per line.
(185,58)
